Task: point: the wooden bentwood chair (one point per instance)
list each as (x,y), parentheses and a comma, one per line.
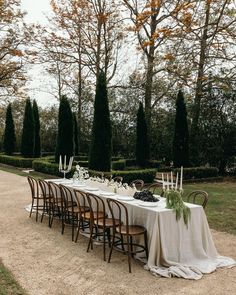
(198,197)
(100,224)
(40,200)
(71,212)
(138,183)
(125,230)
(156,189)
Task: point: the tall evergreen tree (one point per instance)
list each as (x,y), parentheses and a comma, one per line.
(181,135)
(65,139)
(100,149)
(9,140)
(27,139)
(37,140)
(76,135)
(142,145)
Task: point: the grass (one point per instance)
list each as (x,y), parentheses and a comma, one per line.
(221,206)
(8,284)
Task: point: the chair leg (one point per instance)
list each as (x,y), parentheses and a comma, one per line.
(146,243)
(90,243)
(43,211)
(77,235)
(104,244)
(32,205)
(37,210)
(112,245)
(131,246)
(128,252)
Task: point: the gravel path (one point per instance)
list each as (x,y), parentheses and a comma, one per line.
(46,262)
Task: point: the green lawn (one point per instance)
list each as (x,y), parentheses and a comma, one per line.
(8,285)
(221,207)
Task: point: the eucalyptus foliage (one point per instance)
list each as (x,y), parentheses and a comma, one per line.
(174,201)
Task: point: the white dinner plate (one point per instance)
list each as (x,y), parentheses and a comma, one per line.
(57,180)
(107,194)
(91,189)
(148,204)
(125,198)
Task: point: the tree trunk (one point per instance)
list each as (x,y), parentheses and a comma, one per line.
(199,90)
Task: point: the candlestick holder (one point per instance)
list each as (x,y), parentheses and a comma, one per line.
(66,169)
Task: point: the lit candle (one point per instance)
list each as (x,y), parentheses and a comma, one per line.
(181,178)
(167,179)
(60,164)
(176,183)
(171,176)
(65,162)
(163,185)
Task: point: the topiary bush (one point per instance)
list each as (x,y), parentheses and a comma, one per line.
(199,172)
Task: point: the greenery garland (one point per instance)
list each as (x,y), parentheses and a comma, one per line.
(174,201)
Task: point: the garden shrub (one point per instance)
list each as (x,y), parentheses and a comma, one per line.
(119,165)
(130,162)
(16,161)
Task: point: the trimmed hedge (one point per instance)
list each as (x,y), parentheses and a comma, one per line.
(198,172)
(17,161)
(193,172)
(146,174)
(118,165)
(50,168)
(130,162)
(83,163)
(81,158)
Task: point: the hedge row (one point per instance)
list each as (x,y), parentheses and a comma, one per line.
(50,168)
(119,164)
(17,161)
(147,175)
(199,172)
(193,173)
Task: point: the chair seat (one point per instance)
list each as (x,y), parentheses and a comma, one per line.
(77,209)
(96,215)
(133,230)
(108,222)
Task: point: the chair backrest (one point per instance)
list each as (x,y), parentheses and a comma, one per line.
(81,200)
(138,183)
(156,188)
(194,196)
(55,192)
(34,187)
(44,187)
(67,198)
(96,206)
(118,179)
(118,212)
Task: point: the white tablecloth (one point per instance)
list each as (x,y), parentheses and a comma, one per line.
(174,248)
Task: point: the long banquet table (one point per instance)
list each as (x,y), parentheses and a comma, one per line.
(174,248)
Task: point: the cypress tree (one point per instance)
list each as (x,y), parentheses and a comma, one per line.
(76,135)
(181,135)
(37,140)
(9,140)
(27,139)
(100,149)
(142,146)
(65,139)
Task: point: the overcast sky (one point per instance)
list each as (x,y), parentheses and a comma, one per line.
(36,11)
